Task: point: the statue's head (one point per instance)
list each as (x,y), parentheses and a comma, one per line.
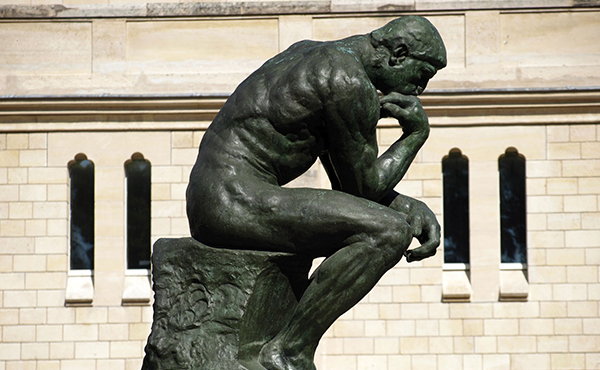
(409,51)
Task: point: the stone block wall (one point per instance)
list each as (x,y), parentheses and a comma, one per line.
(38,330)
(521,74)
(402,323)
(113,51)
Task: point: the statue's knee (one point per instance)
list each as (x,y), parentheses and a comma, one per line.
(393,239)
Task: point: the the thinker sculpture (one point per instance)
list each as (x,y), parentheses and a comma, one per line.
(321,100)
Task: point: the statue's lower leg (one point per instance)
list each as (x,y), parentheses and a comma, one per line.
(339,283)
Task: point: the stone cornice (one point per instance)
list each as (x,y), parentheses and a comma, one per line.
(513,107)
(445,109)
(261,8)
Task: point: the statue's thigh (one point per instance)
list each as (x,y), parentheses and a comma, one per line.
(318,222)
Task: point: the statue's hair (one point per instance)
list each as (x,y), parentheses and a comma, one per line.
(417,33)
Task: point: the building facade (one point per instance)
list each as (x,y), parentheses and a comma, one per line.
(121,82)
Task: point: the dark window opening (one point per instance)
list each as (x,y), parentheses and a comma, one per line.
(81,172)
(455,169)
(137,171)
(513,230)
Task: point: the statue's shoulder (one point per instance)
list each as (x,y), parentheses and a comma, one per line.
(347,73)
(303,45)
(321,52)
(320,67)
(339,64)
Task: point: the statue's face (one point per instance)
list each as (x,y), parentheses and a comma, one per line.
(406,73)
(408,52)
(410,76)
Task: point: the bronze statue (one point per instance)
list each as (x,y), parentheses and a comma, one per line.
(321,100)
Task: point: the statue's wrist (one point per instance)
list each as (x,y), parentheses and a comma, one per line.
(402,204)
(417,137)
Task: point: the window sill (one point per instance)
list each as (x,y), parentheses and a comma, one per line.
(80,287)
(456,285)
(513,282)
(137,288)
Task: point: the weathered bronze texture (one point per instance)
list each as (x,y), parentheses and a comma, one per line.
(318,100)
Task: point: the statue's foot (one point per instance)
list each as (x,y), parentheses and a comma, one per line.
(272,357)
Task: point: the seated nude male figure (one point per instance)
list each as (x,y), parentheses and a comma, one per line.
(321,100)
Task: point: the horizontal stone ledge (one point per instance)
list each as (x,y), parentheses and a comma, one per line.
(242,8)
(254,8)
(78,124)
(195,112)
(158,10)
(68,11)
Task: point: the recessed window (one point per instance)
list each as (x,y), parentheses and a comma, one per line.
(513,228)
(455,169)
(81,172)
(137,171)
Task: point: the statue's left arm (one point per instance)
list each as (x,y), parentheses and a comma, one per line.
(422,221)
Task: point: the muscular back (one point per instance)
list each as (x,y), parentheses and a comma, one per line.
(316,99)
(280,119)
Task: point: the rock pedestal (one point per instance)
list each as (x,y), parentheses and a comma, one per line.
(215,308)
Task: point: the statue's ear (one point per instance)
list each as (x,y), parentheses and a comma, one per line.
(398,54)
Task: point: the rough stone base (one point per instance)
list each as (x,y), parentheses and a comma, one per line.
(215,308)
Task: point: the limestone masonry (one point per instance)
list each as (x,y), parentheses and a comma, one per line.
(112,79)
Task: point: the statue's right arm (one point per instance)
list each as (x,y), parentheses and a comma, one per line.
(422,220)
(352,162)
(351,127)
